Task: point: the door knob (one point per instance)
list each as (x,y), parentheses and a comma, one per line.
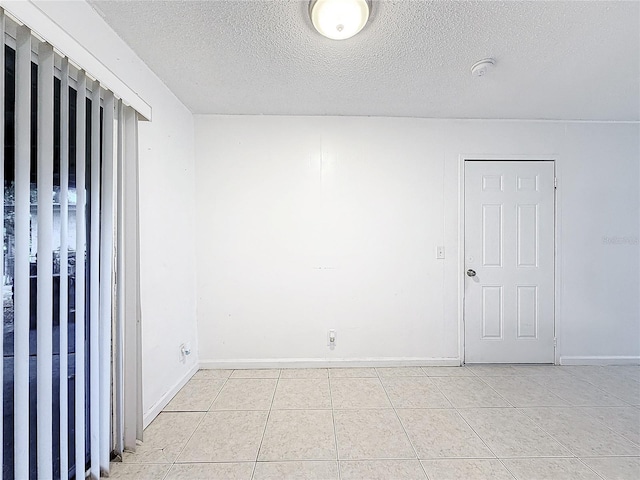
(471,273)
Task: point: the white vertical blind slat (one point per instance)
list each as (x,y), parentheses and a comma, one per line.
(80,273)
(94,259)
(106,279)
(118,328)
(45,262)
(128,255)
(64,264)
(134,263)
(2,24)
(21,276)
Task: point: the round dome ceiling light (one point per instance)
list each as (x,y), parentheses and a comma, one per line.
(480,69)
(339,19)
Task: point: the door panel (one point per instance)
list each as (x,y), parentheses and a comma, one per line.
(509,244)
(491,311)
(492,235)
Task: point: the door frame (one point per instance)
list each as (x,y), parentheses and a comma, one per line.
(557,271)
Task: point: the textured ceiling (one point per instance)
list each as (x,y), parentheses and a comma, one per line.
(555,60)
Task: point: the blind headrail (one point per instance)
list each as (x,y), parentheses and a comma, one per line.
(28,13)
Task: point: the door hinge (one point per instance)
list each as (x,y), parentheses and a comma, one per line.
(555,182)
(555,342)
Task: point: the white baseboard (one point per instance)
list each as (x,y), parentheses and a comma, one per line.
(329,363)
(602,360)
(166,398)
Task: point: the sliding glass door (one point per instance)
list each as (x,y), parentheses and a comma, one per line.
(69,171)
(63,269)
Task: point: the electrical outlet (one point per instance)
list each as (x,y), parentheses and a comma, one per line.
(440,252)
(331,338)
(185,349)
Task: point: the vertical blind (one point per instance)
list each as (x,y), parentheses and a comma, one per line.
(69,170)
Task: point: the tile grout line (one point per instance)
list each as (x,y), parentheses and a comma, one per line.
(335,432)
(597,387)
(558,394)
(476,433)
(395,411)
(575,408)
(634,378)
(266,424)
(601,422)
(520,410)
(455,409)
(592,469)
(509,403)
(463,366)
(517,409)
(585,378)
(435,384)
(199,423)
(501,460)
(171,465)
(520,376)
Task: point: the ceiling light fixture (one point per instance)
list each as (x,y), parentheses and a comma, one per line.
(339,19)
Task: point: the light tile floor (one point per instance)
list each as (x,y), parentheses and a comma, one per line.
(439,423)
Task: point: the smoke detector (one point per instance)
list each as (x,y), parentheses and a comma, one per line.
(481,68)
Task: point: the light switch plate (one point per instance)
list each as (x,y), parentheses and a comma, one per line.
(440,252)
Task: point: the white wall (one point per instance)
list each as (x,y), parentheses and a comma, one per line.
(311,223)
(166,206)
(601,202)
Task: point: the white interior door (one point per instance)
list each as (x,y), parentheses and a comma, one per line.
(509,261)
